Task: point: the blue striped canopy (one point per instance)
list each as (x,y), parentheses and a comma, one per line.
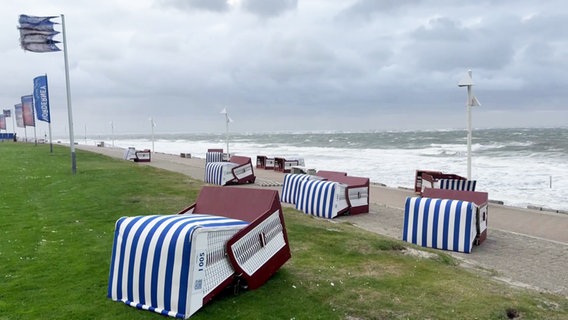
(440,223)
(151,260)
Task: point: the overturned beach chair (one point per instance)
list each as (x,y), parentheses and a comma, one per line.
(481,200)
(137,155)
(321,198)
(290,186)
(356,193)
(142,155)
(174,264)
(238,170)
(129,154)
(357,190)
(441,223)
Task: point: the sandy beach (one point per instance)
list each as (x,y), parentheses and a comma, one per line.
(525,247)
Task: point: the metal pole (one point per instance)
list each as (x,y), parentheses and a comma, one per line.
(50,141)
(227,133)
(69,108)
(469,98)
(112,132)
(49,124)
(13,116)
(152,125)
(35,134)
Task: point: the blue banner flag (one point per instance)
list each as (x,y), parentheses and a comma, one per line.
(7,113)
(41,99)
(35,21)
(36,34)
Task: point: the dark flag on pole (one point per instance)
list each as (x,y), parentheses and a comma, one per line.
(41,99)
(36,34)
(7,113)
(19,115)
(28,111)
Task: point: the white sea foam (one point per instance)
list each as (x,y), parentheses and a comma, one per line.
(526,178)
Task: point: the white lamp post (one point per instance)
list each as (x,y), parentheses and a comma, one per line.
(152,124)
(112,133)
(467,81)
(227,120)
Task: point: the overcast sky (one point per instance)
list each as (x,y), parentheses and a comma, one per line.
(293,65)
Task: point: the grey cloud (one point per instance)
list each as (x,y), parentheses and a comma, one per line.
(368,8)
(209,5)
(269,8)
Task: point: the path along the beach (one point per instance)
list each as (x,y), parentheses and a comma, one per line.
(524,247)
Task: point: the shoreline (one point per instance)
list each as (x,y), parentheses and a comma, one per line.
(387,195)
(535,207)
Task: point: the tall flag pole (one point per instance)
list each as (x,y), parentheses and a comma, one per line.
(36,35)
(41,103)
(69,108)
(472,101)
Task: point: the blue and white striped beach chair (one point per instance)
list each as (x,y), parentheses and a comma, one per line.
(440,223)
(219,173)
(457,184)
(325,199)
(223,173)
(169,264)
(213,157)
(291,184)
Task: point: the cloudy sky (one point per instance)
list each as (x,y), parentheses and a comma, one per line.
(294,65)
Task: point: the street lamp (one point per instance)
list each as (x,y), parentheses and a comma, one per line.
(472,101)
(152,124)
(227,121)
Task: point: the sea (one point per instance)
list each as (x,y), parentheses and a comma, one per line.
(521,167)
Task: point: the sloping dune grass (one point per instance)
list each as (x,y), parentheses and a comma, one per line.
(56,233)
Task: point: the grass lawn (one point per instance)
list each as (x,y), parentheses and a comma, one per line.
(56,233)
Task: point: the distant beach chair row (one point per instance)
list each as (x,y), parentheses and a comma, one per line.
(281,163)
(327,194)
(175,264)
(449,214)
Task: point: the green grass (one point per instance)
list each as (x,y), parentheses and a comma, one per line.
(56,233)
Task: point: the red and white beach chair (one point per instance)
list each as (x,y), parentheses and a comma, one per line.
(174,264)
(238,170)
